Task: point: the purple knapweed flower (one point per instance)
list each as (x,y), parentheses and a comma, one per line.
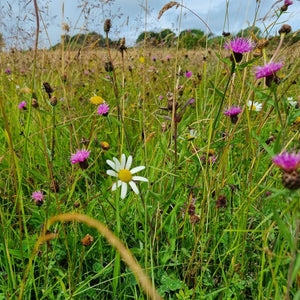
(103,109)
(234,110)
(86,72)
(267,70)
(288,2)
(287,161)
(38,197)
(154,58)
(192,101)
(8,71)
(168,57)
(80,156)
(240,45)
(188,74)
(107,77)
(22,105)
(160,97)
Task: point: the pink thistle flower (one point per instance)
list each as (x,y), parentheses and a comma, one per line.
(233,111)
(81,157)
(188,74)
(192,101)
(240,45)
(287,161)
(267,70)
(160,97)
(103,109)
(22,105)
(107,77)
(8,71)
(38,197)
(288,2)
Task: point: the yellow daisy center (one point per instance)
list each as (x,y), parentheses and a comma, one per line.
(253,107)
(125,175)
(97,100)
(297,121)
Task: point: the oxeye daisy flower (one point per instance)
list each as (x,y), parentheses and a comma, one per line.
(289,163)
(103,109)
(239,46)
(192,135)
(97,100)
(121,170)
(22,105)
(256,106)
(291,101)
(38,197)
(233,113)
(80,157)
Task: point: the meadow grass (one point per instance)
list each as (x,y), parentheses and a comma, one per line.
(214,220)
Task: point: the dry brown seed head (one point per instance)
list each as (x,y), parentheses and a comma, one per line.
(107,25)
(87,240)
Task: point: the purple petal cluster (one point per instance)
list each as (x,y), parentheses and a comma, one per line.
(267,69)
(287,161)
(288,2)
(240,45)
(233,111)
(103,109)
(37,196)
(22,104)
(80,156)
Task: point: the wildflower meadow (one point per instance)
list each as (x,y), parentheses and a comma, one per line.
(168,169)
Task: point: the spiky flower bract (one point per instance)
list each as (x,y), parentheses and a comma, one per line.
(80,156)
(287,161)
(268,69)
(121,170)
(239,45)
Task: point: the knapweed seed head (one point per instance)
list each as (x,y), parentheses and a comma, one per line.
(121,170)
(285,29)
(287,161)
(87,240)
(103,109)
(107,25)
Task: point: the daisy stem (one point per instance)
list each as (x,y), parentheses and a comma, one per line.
(277,109)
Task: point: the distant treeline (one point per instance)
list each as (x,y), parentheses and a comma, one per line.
(188,39)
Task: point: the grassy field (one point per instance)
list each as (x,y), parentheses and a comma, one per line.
(208,216)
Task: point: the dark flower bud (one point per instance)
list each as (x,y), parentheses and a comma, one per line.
(285,28)
(87,240)
(107,25)
(48,88)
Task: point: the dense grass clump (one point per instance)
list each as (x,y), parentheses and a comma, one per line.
(151,170)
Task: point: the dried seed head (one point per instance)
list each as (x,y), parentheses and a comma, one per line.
(257,52)
(84,141)
(221,202)
(108,66)
(34,103)
(166,7)
(76,204)
(87,240)
(107,25)
(291,180)
(262,43)
(194,219)
(104,145)
(48,88)
(53,101)
(55,186)
(285,28)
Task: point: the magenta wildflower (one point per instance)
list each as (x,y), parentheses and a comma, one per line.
(288,2)
(103,109)
(38,197)
(107,77)
(287,161)
(233,113)
(86,72)
(267,69)
(22,105)
(154,58)
(210,158)
(168,57)
(192,101)
(81,157)
(160,97)
(269,72)
(239,46)
(8,71)
(188,74)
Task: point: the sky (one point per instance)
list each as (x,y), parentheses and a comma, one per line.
(129,18)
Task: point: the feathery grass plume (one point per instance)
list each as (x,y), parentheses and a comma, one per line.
(166,7)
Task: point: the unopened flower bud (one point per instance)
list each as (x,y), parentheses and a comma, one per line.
(53,101)
(107,25)
(285,28)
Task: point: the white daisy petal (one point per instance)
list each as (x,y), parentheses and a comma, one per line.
(111,164)
(137,169)
(112,173)
(123,190)
(129,162)
(114,186)
(134,187)
(117,164)
(140,178)
(123,161)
